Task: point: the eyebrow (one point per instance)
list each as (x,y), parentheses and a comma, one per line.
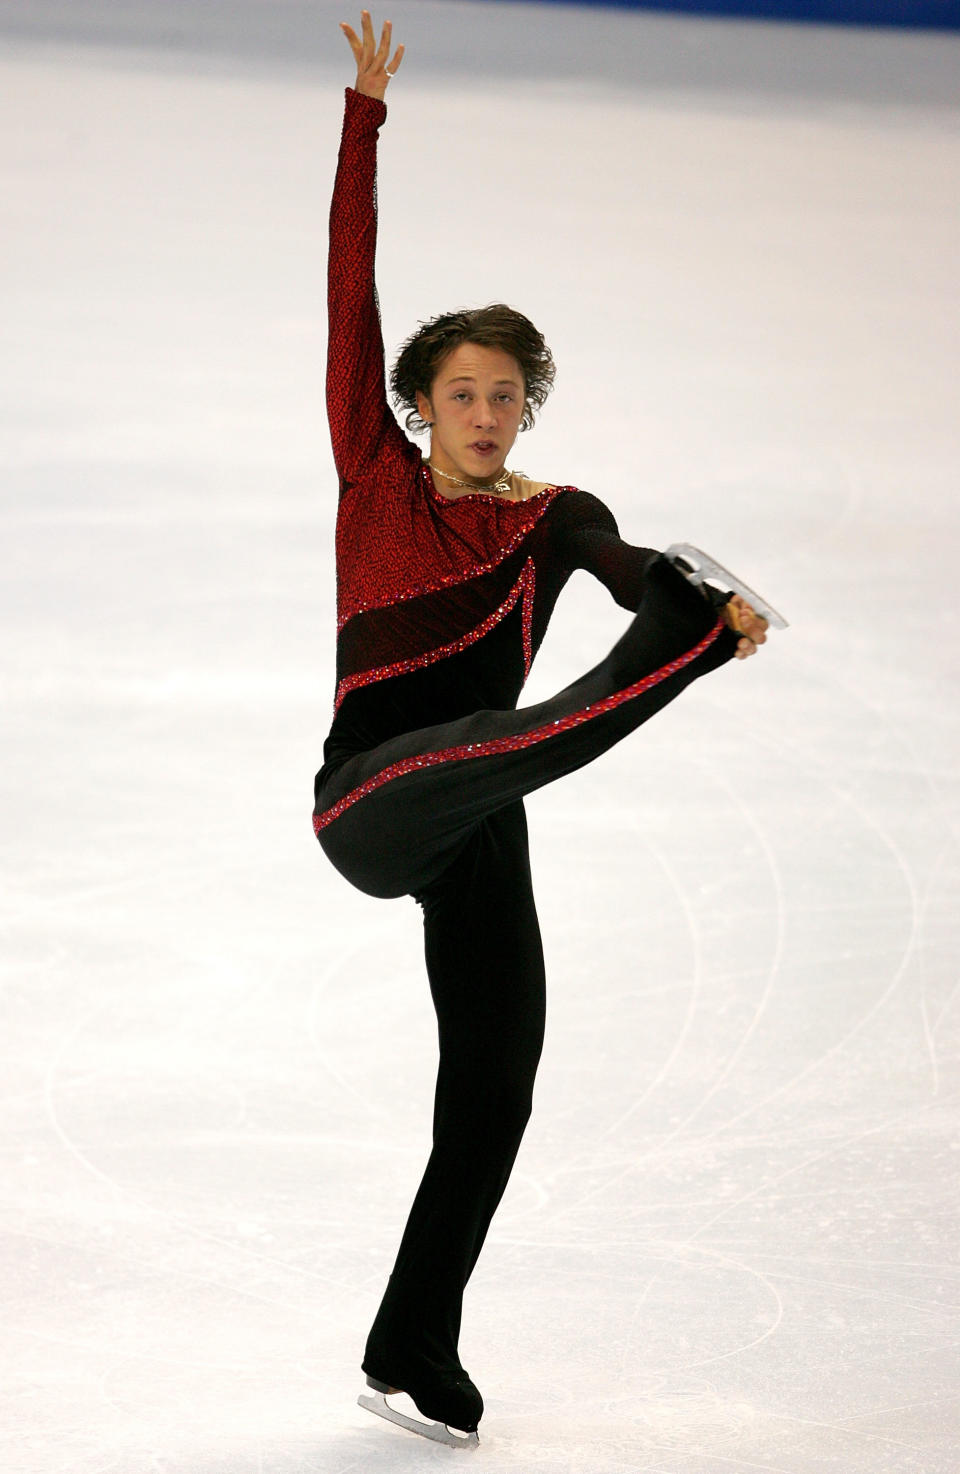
(469,379)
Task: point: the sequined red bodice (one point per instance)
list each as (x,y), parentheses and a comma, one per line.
(441,603)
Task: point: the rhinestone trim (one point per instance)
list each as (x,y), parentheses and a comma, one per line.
(519,740)
(363,601)
(525,585)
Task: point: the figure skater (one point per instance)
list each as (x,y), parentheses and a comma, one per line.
(448,569)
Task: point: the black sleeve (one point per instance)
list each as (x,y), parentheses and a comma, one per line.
(588,537)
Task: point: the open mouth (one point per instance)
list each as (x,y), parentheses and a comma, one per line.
(483,447)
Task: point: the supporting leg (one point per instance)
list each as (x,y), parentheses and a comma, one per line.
(485,965)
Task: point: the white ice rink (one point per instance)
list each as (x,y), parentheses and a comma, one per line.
(731,1242)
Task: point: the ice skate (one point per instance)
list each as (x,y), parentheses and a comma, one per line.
(702,570)
(438,1432)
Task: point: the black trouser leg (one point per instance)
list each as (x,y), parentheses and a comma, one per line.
(485,965)
(392,819)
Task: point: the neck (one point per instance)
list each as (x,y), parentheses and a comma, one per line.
(497,485)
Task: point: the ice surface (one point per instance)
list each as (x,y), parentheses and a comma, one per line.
(731,1240)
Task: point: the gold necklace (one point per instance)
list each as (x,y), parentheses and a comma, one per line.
(498,487)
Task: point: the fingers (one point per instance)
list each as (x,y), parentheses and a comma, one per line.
(383,51)
(745,620)
(748,623)
(354,40)
(373,70)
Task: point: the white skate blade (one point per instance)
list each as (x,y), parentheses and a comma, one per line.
(436,1432)
(698,567)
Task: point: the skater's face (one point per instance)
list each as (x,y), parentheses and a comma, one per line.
(474,410)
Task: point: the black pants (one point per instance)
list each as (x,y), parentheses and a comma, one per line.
(438,814)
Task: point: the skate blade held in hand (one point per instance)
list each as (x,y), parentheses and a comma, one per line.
(699,568)
(436,1432)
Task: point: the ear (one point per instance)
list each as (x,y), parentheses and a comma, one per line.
(424,408)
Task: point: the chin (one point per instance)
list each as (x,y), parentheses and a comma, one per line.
(489,465)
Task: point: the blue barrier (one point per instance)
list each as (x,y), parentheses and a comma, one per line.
(916,14)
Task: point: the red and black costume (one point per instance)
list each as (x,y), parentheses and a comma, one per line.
(442,605)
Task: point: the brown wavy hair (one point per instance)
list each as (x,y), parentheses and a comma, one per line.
(495,326)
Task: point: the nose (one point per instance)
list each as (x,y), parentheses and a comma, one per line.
(484,414)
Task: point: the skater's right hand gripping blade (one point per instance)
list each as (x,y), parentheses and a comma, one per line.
(437,1432)
(699,568)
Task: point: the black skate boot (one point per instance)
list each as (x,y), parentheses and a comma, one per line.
(449,1398)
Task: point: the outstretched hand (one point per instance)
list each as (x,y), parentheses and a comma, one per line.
(747,623)
(373,72)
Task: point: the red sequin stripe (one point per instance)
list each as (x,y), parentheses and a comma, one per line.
(524,585)
(519,740)
(360,605)
(529,580)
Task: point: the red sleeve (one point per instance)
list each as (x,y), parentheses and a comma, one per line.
(357,407)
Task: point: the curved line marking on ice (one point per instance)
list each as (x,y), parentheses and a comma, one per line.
(172,1216)
(738,1350)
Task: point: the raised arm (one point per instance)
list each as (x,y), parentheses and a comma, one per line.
(357,407)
